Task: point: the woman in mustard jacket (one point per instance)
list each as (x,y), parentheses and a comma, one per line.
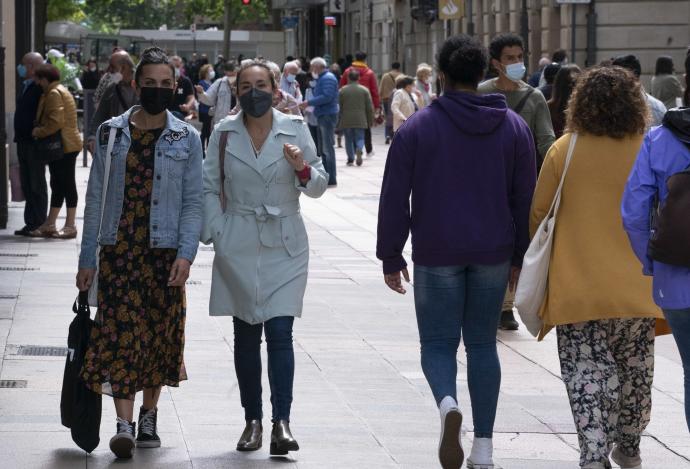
(57,112)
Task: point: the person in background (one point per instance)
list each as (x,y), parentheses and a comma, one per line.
(536,76)
(367,78)
(483,153)
(560,57)
(336,70)
(90,76)
(550,72)
(118,59)
(304,76)
(356,115)
(666,86)
(283,101)
(206,76)
(596,297)
(405,101)
(325,103)
(665,152)
(249,229)
(657,108)
(386,90)
(221,95)
(117,98)
(31,169)
(57,112)
(423,84)
(183,101)
(288,80)
(507,58)
(146,251)
(563,86)
(218,67)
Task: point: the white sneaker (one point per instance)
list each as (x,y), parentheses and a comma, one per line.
(371,153)
(450,453)
(481,455)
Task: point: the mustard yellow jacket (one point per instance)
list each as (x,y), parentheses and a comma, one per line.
(58,111)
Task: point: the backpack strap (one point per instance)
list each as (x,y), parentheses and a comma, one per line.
(222,143)
(521,105)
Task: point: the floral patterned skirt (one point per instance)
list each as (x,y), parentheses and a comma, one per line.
(138,339)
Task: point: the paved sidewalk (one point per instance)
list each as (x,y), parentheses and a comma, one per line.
(361,401)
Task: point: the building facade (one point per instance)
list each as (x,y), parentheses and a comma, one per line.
(590,32)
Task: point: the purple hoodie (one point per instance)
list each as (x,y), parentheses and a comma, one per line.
(468,161)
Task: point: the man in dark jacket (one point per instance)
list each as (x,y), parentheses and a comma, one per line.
(32,171)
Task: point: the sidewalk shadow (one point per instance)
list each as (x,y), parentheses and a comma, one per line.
(72,456)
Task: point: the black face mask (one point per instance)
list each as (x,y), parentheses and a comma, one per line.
(155,100)
(256,103)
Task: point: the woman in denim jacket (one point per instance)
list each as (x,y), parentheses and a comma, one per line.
(148,233)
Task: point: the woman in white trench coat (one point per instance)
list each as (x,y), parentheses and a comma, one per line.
(262,251)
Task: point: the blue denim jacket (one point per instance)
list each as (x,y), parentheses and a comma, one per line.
(177,198)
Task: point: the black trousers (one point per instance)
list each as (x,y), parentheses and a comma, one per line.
(63,184)
(33,177)
(206,128)
(367,141)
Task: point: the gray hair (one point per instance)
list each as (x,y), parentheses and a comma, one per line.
(319,61)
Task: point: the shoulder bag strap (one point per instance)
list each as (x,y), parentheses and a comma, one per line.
(223,142)
(521,105)
(557,198)
(106,174)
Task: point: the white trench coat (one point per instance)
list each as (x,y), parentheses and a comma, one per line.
(261,247)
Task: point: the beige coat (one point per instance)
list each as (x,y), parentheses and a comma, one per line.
(261,246)
(402,107)
(593,273)
(58,111)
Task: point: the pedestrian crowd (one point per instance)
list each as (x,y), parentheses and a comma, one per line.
(486,164)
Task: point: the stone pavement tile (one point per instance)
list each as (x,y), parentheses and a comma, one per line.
(26,410)
(40,449)
(172,454)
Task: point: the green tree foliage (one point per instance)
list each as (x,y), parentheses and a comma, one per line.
(112,15)
(67,10)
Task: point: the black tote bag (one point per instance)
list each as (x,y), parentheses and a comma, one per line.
(80,408)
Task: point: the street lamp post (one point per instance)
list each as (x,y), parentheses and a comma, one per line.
(524,28)
(470,21)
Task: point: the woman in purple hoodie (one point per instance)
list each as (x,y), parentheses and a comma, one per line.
(468,162)
(665,152)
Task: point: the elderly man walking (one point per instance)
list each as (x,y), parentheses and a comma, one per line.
(32,171)
(356,115)
(325,103)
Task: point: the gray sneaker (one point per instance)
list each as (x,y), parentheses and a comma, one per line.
(626,462)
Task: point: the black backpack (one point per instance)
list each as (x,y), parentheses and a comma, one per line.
(670,238)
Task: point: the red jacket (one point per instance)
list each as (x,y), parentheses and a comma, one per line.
(367,78)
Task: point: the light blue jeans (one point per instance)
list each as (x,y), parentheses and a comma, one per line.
(354,140)
(326,144)
(462,300)
(679,320)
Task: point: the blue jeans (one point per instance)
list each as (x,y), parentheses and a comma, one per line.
(462,300)
(326,142)
(354,140)
(389,118)
(679,320)
(281,365)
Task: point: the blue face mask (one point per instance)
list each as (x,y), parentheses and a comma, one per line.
(516,72)
(21,70)
(291,78)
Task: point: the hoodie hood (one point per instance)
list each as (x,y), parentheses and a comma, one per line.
(360,65)
(472,113)
(678,122)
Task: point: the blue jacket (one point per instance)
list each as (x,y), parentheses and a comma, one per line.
(177,197)
(468,162)
(661,156)
(325,99)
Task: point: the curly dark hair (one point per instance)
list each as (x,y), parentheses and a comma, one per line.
(502,41)
(463,60)
(152,56)
(607,101)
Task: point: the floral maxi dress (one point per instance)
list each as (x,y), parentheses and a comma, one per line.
(138,339)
